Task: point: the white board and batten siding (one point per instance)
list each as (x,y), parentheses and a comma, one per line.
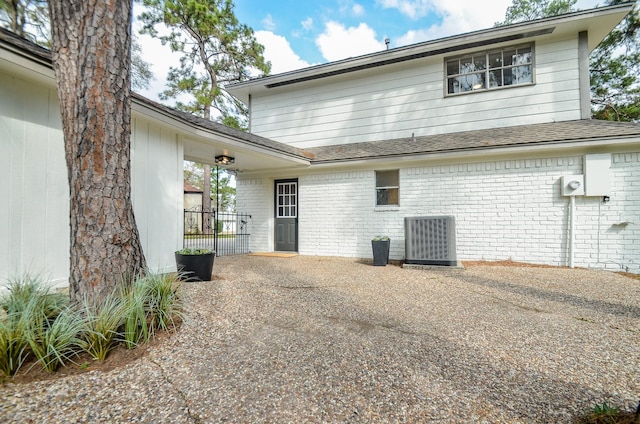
(157,191)
(399,100)
(34,211)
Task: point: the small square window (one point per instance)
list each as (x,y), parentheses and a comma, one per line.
(387,188)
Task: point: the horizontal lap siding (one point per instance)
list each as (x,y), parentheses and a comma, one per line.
(409,98)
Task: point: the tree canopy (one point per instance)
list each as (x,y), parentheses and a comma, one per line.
(30,19)
(614,64)
(216,50)
(615,71)
(27,18)
(528,10)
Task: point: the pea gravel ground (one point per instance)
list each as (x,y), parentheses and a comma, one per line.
(316,339)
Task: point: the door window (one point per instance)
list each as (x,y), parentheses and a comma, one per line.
(286,200)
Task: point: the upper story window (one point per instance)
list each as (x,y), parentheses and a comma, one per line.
(490,69)
(387,188)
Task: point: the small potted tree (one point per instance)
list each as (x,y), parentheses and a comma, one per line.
(380,245)
(195,264)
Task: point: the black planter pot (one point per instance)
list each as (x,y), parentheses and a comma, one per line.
(380,252)
(195,267)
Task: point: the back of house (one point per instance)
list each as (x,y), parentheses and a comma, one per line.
(486,128)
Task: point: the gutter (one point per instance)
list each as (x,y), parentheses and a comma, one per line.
(468,152)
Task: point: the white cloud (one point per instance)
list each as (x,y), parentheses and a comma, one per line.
(357,9)
(268,23)
(414,9)
(278,51)
(456,17)
(307,24)
(338,42)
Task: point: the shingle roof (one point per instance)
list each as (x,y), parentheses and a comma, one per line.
(188,188)
(34,51)
(239,135)
(479,140)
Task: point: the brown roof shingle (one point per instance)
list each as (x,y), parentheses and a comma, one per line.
(479,140)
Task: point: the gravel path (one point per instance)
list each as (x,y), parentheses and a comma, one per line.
(314,339)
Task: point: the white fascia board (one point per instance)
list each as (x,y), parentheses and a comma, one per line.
(26,66)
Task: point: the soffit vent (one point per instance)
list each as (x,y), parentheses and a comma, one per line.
(430,240)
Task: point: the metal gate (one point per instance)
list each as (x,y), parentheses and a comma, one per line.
(225,233)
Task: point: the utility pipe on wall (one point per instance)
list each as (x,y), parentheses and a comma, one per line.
(572,215)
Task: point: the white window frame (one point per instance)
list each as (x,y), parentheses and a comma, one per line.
(471,73)
(397,187)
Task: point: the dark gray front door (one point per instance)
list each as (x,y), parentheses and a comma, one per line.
(286,215)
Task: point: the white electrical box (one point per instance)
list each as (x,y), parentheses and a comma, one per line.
(597,174)
(572,185)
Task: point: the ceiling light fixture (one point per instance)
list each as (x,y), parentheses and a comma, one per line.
(224,160)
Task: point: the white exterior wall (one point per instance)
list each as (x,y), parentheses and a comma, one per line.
(157,191)
(34,212)
(504,209)
(397,100)
(254,196)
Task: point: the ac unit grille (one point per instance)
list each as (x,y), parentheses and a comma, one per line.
(430,240)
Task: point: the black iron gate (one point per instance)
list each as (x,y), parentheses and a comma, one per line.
(225,233)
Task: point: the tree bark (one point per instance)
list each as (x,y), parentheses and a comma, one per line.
(91,58)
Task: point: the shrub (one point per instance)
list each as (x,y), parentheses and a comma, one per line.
(13,344)
(56,341)
(102,322)
(151,303)
(28,306)
(163,303)
(34,321)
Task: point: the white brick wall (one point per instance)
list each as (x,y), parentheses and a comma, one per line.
(505,209)
(255,197)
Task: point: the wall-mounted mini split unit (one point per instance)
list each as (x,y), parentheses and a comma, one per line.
(572,185)
(430,240)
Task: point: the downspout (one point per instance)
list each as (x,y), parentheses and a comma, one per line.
(584,78)
(572,230)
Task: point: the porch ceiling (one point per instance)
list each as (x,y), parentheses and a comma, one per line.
(204,151)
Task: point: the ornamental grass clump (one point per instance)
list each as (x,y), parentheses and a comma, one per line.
(151,303)
(102,322)
(13,343)
(56,341)
(40,325)
(163,304)
(30,326)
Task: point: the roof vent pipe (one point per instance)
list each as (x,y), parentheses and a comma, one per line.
(387,41)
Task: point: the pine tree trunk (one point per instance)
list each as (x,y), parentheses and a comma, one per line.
(91,57)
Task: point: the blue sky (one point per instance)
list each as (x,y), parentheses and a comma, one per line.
(300,33)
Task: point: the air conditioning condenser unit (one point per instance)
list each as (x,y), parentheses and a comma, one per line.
(430,240)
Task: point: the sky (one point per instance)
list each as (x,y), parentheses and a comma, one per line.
(302,33)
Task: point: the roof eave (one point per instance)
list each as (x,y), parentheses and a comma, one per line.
(523,30)
(479,152)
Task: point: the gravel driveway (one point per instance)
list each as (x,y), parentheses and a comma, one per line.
(315,339)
